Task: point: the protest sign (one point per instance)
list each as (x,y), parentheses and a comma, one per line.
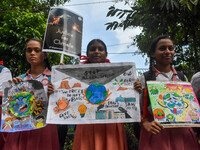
(63,32)
(174,103)
(94,93)
(24,106)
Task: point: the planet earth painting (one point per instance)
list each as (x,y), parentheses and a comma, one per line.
(96,93)
(22,104)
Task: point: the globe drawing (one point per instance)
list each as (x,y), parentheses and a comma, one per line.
(96,93)
(174,102)
(22,104)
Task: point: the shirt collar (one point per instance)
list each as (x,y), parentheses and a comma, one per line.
(157,72)
(45,72)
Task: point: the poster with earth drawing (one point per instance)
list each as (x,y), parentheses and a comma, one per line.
(94,93)
(174,103)
(24,106)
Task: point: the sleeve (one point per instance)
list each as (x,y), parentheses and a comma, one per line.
(195,81)
(5,75)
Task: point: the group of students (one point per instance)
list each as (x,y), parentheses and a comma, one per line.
(103,136)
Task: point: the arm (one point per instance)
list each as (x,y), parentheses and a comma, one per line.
(153,127)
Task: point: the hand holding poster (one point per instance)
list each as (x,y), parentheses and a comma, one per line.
(174,103)
(94,93)
(24,106)
(63,32)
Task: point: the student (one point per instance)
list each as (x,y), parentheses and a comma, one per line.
(45,138)
(195,81)
(5,75)
(153,134)
(99,136)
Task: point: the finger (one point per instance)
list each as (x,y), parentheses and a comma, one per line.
(15,80)
(154,131)
(10,81)
(156,126)
(20,79)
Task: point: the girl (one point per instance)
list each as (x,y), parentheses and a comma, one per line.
(99,136)
(45,138)
(153,135)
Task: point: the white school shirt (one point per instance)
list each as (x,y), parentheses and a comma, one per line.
(5,75)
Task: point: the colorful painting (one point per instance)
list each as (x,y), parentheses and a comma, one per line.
(94,93)
(174,103)
(63,32)
(24,106)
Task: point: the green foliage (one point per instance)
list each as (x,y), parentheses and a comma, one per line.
(21,20)
(16,28)
(189,3)
(132,140)
(69,142)
(172,17)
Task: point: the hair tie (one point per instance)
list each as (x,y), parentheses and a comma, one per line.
(83,57)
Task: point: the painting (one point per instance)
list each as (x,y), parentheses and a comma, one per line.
(24,106)
(174,104)
(94,93)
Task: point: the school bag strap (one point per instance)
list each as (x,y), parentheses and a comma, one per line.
(181,76)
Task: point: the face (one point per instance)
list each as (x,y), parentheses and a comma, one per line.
(164,52)
(34,54)
(97,53)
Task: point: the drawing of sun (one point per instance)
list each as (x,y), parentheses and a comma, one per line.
(96,94)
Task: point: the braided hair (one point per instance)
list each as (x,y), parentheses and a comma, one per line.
(152,51)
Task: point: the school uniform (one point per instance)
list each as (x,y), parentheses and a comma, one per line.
(169,138)
(45,138)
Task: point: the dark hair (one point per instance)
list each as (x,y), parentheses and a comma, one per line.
(46,60)
(98,41)
(153,49)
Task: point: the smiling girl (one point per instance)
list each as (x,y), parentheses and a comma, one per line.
(153,134)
